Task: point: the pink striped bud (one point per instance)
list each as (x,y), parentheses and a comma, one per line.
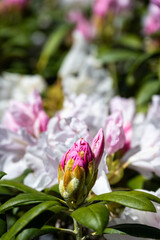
(77,171)
(97,146)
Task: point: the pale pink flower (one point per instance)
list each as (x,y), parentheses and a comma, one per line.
(151,21)
(127,108)
(29,116)
(114,134)
(156,2)
(97,146)
(83,25)
(101,7)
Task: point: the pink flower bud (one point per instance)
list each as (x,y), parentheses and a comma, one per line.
(80,152)
(77,171)
(98,146)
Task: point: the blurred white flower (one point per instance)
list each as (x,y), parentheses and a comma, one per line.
(146,142)
(81,72)
(90,109)
(13,147)
(17,86)
(131,215)
(44,158)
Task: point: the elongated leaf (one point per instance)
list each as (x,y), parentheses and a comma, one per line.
(27,199)
(22,176)
(113,231)
(18,186)
(6,191)
(147,91)
(94,216)
(26,218)
(136,182)
(118,55)
(136,230)
(32,233)
(147,195)
(2,174)
(52,45)
(141,60)
(127,198)
(3,225)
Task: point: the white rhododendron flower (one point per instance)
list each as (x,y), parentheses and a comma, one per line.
(18,87)
(91,109)
(87,76)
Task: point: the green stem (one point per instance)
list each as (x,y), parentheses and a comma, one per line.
(77,230)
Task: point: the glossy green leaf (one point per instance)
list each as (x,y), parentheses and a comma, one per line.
(26,198)
(32,233)
(136,230)
(94,216)
(146,91)
(112,231)
(136,182)
(147,195)
(128,199)
(118,55)
(6,191)
(18,186)
(2,174)
(26,218)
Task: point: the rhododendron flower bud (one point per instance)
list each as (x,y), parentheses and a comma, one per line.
(77,171)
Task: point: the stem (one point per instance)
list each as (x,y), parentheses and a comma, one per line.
(77,230)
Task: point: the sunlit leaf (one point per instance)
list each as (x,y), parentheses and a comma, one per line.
(127,198)
(31,198)
(26,218)
(94,216)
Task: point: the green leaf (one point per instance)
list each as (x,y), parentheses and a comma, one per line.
(112,231)
(26,218)
(32,233)
(3,226)
(94,216)
(22,176)
(136,230)
(6,191)
(117,55)
(26,198)
(2,174)
(127,198)
(147,91)
(141,60)
(18,186)
(147,195)
(52,44)
(136,182)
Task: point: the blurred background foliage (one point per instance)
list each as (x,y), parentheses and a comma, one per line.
(36,39)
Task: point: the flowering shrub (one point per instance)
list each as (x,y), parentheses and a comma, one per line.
(79,119)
